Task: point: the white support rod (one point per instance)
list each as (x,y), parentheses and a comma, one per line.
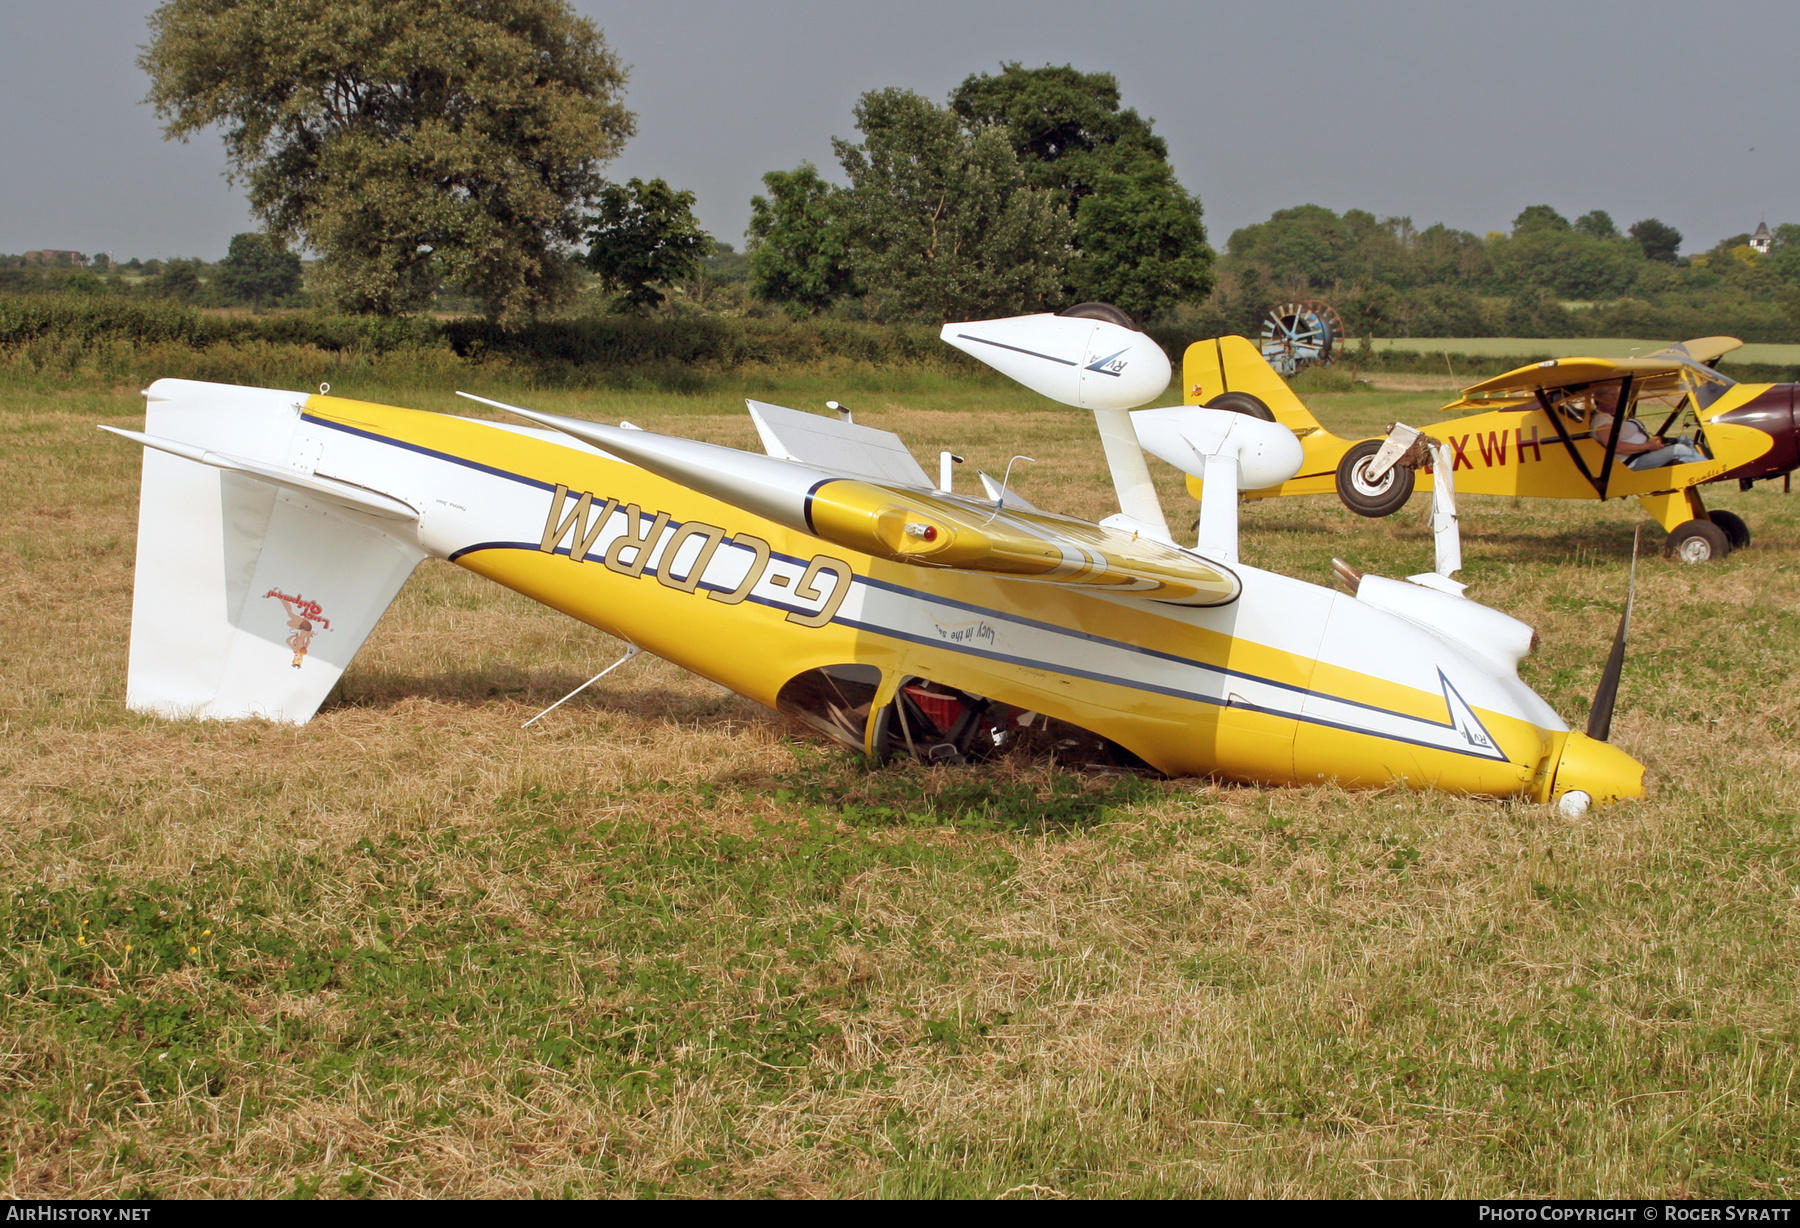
(1219,511)
(1130,475)
(630,652)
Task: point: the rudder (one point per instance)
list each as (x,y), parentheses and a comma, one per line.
(250,598)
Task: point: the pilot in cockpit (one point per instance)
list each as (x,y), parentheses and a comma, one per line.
(1638,448)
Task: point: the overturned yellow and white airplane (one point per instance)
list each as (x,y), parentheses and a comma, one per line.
(832,579)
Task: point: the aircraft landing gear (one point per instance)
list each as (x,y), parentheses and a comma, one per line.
(1368,498)
(1736,531)
(1697,541)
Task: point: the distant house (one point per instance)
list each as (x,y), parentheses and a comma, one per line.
(65,259)
(1762,240)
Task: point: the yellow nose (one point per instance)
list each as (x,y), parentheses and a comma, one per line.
(1602,771)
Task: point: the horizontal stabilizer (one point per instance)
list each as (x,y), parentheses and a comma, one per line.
(1185,436)
(344,494)
(842,447)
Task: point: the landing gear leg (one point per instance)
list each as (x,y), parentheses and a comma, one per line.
(1694,535)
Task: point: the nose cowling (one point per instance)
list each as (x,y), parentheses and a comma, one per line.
(1602,771)
(1772,412)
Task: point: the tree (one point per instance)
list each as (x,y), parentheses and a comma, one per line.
(1139,243)
(258,270)
(799,240)
(1138,233)
(1597,224)
(1306,249)
(1534,312)
(1784,253)
(407,141)
(179,280)
(943,223)
(1065,125)
(1538,217)
(1659,240)
(1567,263)
(646,233)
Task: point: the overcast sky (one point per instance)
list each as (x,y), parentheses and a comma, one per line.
(1455,112)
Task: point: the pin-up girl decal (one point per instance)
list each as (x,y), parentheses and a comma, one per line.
(301,615)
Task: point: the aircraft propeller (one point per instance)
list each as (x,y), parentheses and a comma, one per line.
(1599,724)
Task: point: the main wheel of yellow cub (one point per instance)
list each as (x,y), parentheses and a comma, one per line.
(1736,531)
(1697,541)
(1366,496)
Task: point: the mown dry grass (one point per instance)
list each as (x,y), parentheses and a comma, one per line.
(661,942)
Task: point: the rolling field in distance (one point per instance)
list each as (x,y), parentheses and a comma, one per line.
(665,942)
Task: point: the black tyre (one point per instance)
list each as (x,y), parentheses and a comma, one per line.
(1242,403)
(1367,498)
(1697,541)
(1100,311)
(1736,531)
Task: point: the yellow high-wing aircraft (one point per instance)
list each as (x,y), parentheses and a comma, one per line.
(1548,431)
(831,579)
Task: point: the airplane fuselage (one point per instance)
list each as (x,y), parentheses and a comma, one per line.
(1291,683)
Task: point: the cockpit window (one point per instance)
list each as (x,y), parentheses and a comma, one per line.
(1704,384)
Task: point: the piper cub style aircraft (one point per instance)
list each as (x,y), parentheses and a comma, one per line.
(1548,431)
(832,580)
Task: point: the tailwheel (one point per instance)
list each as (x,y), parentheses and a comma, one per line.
(1736,531)
(1243,403)
(1697,541)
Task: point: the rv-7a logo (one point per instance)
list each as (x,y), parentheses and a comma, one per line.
(691,556)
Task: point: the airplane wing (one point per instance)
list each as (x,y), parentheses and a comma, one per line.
(908,525)
(1706,350)
(1520,386)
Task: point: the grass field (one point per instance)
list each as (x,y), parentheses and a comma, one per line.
(663,942)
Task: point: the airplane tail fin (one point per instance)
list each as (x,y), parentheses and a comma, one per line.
(258,576)
(1234,364)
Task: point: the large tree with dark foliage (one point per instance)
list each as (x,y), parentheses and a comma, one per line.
(257,270)
(799,240)
(1659,240)
(409,142)
(644,235)
(1139,239)
(941,221)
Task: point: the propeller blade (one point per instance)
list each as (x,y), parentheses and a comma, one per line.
(1599,725)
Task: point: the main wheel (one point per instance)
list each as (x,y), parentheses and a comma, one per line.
(1736,531)
(1371,498)
(1697,541)
(1242,403)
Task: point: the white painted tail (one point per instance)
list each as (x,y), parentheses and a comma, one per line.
(258,578)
